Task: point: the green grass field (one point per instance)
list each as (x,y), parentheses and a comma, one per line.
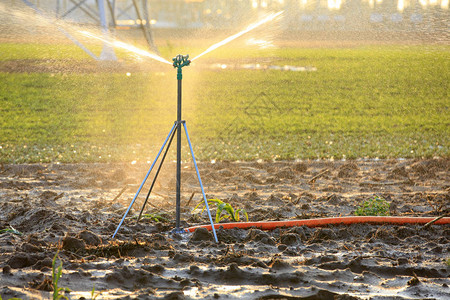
(370,101)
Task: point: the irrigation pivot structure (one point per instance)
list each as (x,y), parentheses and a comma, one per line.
(179,62)
(105,13)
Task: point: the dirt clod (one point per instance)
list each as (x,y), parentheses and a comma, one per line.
(6,269)
(201,234)
(89,238)
(73,244)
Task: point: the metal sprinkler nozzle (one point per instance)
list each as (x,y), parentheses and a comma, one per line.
(180,61)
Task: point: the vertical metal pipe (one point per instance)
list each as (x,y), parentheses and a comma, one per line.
(107,50)
(57,8)
(178,191)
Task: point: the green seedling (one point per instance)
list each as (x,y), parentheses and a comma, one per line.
(155,217)
(56,275)
(376,206)
(229,211)
(10,230)
(448,262)
(93,294)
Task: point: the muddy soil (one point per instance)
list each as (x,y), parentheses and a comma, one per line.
(74,209)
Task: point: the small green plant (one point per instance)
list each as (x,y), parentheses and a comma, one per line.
(155,217)
(14,298)
(11,230)
(377,206)
(448,262)
(230,212)
(93,294)
(56,275)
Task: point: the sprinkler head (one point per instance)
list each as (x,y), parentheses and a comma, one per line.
(180,61)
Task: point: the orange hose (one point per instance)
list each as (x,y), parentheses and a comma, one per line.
(270,225)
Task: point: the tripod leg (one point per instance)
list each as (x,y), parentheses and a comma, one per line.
(145,179)
(157,173)
(200,182)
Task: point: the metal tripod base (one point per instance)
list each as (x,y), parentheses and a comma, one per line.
(168,142)
(178,230)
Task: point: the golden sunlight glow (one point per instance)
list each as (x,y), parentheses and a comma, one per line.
(303,3)
(442,3)
(125,22)
(127,47)
(330,4)
(255,3)
(400,5)
(334,4)
(235,36)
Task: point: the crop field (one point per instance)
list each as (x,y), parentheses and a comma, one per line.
(385,101)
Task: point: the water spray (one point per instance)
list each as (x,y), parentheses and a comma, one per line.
(179,62)
(125,46)
(235,36)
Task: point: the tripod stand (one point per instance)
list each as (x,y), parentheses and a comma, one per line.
(179,62)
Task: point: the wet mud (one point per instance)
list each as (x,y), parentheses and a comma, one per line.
(74,209)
